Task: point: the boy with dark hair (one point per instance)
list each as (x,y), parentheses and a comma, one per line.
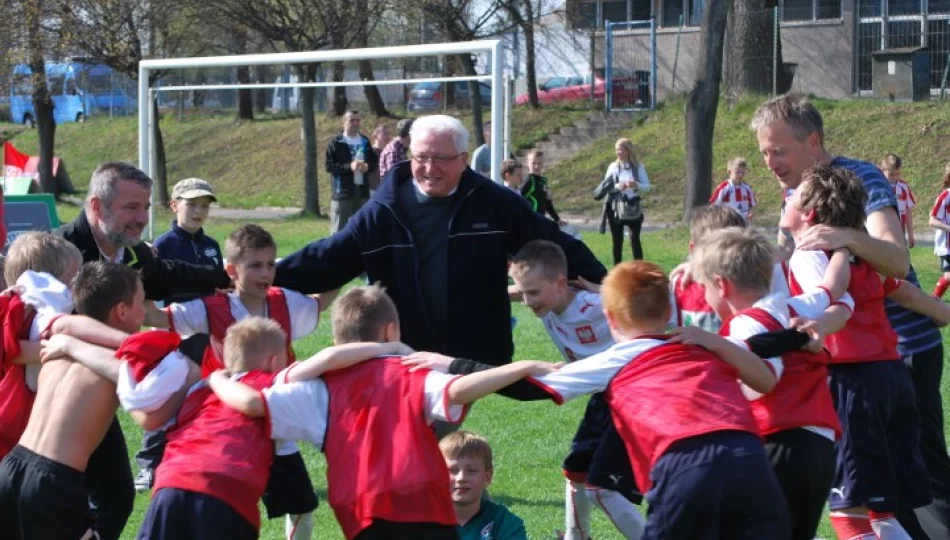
(891,167)
(369,498)
(535,187)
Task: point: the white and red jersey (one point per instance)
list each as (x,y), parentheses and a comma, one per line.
(297,314)
(801,397)
(383,460)
(688,306)
(868,335)
(658,393)
(905,199)
(217,451)
(581,330)
(27,315)
(737,196)
(941,212)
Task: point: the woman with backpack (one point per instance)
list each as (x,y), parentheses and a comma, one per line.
(622,188)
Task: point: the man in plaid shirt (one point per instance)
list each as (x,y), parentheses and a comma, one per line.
(395,151)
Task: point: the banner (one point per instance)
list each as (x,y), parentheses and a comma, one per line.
(14,161)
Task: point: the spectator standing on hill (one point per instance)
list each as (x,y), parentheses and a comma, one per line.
(438,236)
(790,134)
(381,138)
(395,151)
(622,188)
(481,158)
(349,158)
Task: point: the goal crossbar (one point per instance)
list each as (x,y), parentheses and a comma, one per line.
(494,47)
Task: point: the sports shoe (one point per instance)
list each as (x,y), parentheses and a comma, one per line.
(144,480)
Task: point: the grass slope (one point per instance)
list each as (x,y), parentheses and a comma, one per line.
(250,164)
(863,129)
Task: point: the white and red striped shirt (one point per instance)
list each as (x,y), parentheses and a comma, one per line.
(941,213)
(737,196)
(905,199)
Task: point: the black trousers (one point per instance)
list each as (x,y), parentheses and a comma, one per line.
(616,235)
(933,520)
(109,481)
(391,530)
(804,465)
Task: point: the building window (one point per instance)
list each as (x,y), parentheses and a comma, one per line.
(691,12)
(598,12)
(614,11)
(810,10)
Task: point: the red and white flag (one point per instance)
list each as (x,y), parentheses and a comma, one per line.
(14,161)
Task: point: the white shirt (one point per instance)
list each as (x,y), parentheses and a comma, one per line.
(941,212)
(356,148)
(299,411)
(808,269)
(191,317)
(581,330)
(51,299)
(739,197)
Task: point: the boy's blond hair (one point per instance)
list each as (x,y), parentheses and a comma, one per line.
(891,162)
(541,256)
(40,252)
(465,444)
(361,314)
(740,255)
(637,295)
(250,342)
(737,162)
(533,153)
(709,218)
(247,237)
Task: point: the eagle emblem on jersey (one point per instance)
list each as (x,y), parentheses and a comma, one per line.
(585,334)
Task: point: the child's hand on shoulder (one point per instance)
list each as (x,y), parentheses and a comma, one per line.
(56,347)
(428,360)
(814,329)
(219,376)
(584,285)
(692,335)
(539,368)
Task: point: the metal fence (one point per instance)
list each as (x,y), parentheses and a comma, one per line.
(630,66)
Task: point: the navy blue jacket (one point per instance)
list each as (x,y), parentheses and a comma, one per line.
(489,224)
(180,245)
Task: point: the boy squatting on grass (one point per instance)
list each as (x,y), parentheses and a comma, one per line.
(251,263)
(42,480)
(370,496)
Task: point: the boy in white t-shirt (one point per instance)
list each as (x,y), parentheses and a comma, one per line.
(734,192)
(251,262)
(575,321)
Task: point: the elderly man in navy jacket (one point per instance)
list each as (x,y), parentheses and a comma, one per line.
(438,237)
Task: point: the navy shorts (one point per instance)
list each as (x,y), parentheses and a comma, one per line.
(41,498)
(610,467)
(186,515)
(589,434)
(716,486)
(289,490)
(878,463)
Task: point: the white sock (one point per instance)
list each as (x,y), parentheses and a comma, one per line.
(623,513)
(299,526)
(576,512)
(886,527)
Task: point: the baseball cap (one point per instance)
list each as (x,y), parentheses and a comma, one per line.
(192,188)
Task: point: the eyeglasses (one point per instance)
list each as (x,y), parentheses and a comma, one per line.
(435,160)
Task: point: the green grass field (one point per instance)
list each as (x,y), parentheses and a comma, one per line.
(529,439)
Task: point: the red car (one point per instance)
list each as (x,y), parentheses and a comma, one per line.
(626,91)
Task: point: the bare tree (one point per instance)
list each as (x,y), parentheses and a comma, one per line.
(702,106)
(522,14)
(34,12)
(751,48)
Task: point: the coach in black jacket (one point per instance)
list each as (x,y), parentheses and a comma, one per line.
(438,236)
(110,228)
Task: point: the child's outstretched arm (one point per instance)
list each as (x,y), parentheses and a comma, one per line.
(99,360)
(155,317)
(89,330)
(468,388)
(237,395)
(343,356)
(910,297)
(157,418)
(324,299)
(838,274)
(753,371)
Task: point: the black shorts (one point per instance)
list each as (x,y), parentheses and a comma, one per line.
(187,515)
(804,465)
(289,490)
(944,263)
(41,498)
(610,467)
(587,438)
(715,486)
(381,529)
(878,464)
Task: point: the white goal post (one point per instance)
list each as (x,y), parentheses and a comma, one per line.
(494,47)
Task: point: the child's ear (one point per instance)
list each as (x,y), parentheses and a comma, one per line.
(231,269)
(610,320)
(490,474)
(809,216)
(692,246)
(723,287)
(391,332)
(173,205)
(562,282)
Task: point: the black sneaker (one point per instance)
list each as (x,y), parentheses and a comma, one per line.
(144,480)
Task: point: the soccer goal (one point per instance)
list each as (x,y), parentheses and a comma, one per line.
(500,100)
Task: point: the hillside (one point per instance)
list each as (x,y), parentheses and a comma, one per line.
(863,129)
(250,164)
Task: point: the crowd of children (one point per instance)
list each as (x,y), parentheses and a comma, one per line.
(737,398)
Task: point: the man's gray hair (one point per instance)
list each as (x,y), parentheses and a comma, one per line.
(105,179)
(438,124)
(799,114)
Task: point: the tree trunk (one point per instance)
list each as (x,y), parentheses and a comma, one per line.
(245,98)
(311,195)
(448,88)
(475,94)
(751,37)
(702,107)
(42,102)
(161,173)
(527,27)
(260,95)
(375,101)
(340,103)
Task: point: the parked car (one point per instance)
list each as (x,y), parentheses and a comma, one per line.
(628,89)
(427,96)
